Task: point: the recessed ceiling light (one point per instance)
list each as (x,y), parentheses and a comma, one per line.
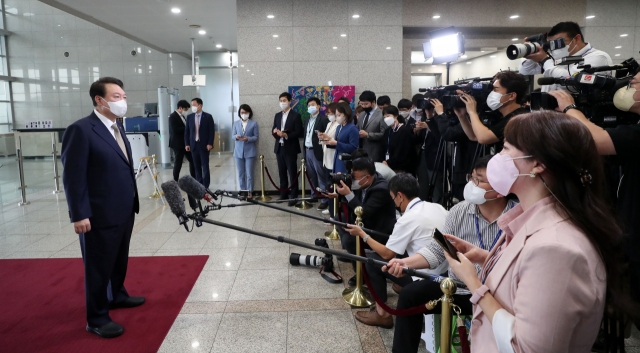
(419,69)
(248,70)
(335,47)
(218,45)
(356,16)
(278,48)
(464,56)
(619,46)
(623,35)
(388,48)
(270,16)
(514,39)
(241,65)
(468,62)
(590,17)
(252,74)
(482,51)
(27,14)
(492,56)
(59,25)
(202,31)
(343,35)
(435,17)
(514,16)
(275,36)
(617,55)
(175,10)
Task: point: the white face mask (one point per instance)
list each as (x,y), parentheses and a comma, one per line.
(244,116)
(356,184)
(623,99)
(331,118)
(194,109)
(493,100)
(562,52)
(475,194)
(404,114)
(284,105)
(312,109)
(117,108)
(340,119)
(389,121)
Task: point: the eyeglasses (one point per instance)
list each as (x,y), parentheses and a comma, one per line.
(476,181)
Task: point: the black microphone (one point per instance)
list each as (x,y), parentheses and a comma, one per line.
(196,190)
(543,81)
(176,202)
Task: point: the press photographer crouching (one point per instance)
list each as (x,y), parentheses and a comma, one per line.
(371,191)
(412,232)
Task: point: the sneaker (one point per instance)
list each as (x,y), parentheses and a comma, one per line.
(326,212)
(323,206)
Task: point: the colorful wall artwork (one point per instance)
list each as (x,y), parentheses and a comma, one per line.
(326,94)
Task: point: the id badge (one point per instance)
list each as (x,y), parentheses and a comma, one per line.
(386,157)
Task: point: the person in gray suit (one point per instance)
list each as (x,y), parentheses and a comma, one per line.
(372,127)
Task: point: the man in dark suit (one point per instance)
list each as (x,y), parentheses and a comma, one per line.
(287,129)
(102,197)
(199,133)
(177,122)
(372,127)
(313,153)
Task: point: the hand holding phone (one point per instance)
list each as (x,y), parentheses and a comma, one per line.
(322,191)
(445,244)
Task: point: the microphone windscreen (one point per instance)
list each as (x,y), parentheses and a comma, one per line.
(543,81)
(192,187)
(174,197)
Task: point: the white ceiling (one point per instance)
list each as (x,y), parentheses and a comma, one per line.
(417,57)
(152,21)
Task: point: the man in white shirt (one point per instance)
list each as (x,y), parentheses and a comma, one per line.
(540,62)
(412,232)
(287,129)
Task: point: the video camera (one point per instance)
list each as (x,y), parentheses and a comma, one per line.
(478,88)
(533,45)
(593,93)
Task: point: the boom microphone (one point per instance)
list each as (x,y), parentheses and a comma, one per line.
(543,81)
(176,202)
(192,187)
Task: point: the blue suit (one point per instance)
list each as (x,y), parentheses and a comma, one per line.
(245,152)
(199,152)
(100,185)
(348,139)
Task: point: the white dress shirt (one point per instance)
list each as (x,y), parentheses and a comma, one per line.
(284,122)
(107,123)
(182,117)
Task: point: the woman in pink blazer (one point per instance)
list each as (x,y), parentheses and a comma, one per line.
(544,285)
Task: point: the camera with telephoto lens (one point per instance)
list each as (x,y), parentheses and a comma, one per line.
(346,159)
(326,262)
(533,45)
(593,94)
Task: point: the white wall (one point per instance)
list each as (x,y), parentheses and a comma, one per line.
(54,87)
(483,66)
(422,82)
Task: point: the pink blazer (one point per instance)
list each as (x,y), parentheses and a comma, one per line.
(551,278)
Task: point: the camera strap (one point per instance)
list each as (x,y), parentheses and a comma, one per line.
(329,279)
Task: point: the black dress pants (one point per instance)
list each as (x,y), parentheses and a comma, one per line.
(287,164)
(378,278)
(177,166)
(406,335)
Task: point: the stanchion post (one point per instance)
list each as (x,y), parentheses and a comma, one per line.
(334,235)
(54,152)
(303,205)
(23,187)
(448,287)
(262,198)
(154,173)
(358,296)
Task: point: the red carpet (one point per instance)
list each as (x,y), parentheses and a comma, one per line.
(42,305)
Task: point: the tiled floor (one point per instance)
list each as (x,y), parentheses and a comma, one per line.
(247,298)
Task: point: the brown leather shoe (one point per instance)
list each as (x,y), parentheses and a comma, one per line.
(396,288)
(372,318)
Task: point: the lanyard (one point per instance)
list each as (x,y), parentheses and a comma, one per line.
(415,204)
(311,125)
(480,236)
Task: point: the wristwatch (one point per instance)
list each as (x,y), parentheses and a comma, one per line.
(570,106)
(366,238)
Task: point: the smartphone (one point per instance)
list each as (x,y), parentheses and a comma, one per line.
(322,191)
(445,244)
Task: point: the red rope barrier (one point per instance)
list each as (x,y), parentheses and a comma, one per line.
(274,184)
(313,189)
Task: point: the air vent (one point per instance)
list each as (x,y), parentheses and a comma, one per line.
(194,26)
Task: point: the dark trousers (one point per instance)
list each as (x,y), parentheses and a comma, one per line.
(201,162)
(378,278)
(406,335)
(177,166)
(425,174)
(105,251)
(287,163)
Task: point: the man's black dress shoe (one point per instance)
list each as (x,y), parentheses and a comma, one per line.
(283,198)
(352,281)
(292,203)
(110,330)
(131,302)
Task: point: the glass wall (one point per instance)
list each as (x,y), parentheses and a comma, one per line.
(6,106)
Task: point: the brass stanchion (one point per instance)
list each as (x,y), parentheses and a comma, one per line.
(156,193)
(262,198)
(54,152)
(334,235)
(448,287)
(303,205)
(358,296)
(23,186)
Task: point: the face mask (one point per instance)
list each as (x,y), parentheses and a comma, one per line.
(389,121)
(331,118)
(312,110)
(194,109)
(397,207)
(340,119)
(562,52)
(367,110)
(244,116)
(117,108)
(418,110)
(623,99)
(502,172)
(356,183)
(493,100)
(284,105)
(404,114)
(475,194)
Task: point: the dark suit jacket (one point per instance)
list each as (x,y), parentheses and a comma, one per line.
(176,131)
(294,130)
(207,129)
(321,125)
(98,181)
(379,209)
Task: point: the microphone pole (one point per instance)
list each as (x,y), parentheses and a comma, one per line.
(325,220)
(281,239)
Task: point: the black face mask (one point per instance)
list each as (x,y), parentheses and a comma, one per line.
(367,110)
(397,207)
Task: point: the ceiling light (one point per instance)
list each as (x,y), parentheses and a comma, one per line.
(241,65)
(343,35)
(419,69)
(202,32)
(275,36)
(482,51)
(27,14)
(270,16)
(590,17)
(492,56)
(619,46)
(59,25)
(335,47)
(248,70)
(252,74)
(278,48)
(623,35)
(356,16)
(435,17)
(388,48)
(617,55)
(175,10)
(218,46)
(464,56)
(514,16)
(468,62)
(514,39)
